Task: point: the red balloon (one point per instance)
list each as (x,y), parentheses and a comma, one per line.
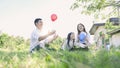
(53,17)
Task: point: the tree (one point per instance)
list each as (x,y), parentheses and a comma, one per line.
(96,7)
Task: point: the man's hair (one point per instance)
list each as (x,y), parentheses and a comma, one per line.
(36,20)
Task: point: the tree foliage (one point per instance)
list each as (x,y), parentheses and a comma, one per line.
(95,7)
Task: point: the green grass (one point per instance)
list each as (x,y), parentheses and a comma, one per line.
(14,55)
(60,59)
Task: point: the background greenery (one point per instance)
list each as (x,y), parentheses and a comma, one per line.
(14,53)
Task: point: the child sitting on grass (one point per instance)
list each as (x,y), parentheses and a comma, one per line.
(69,43)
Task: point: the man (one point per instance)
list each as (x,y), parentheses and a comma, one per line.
(37,39)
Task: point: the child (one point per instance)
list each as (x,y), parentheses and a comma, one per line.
(68,44)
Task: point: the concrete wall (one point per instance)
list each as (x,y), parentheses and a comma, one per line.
(97,38)
(115,40)
(100,28)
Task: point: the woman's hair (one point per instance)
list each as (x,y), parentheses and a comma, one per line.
(79,30)
(68,38)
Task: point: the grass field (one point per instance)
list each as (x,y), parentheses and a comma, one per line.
(14,53)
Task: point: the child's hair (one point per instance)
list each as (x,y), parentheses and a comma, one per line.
(79,30)
(68,38)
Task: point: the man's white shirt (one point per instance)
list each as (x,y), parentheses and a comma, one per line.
(34,39)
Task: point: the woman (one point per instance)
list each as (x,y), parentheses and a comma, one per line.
(82,37)
(68,44)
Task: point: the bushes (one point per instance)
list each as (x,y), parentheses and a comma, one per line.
(13,43)
(3,39)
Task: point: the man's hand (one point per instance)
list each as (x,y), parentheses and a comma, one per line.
(55,36)
(51,33)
